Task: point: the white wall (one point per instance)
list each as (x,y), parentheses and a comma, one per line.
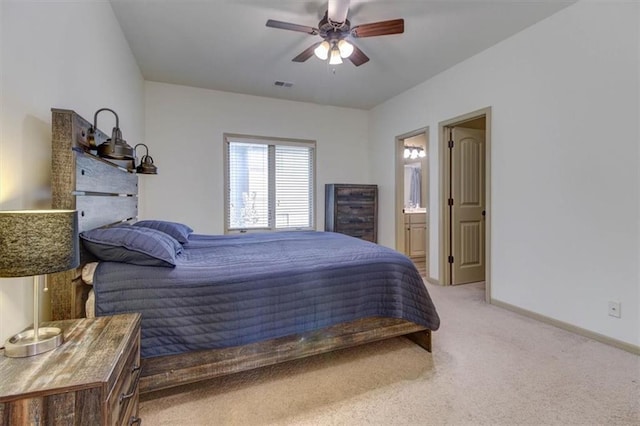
(638,217)
(185,127)
(55,54)
(565,183)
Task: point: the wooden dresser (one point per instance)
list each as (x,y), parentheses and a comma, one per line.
(92,379)
(352,210)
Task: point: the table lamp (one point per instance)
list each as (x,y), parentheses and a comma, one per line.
(34,243)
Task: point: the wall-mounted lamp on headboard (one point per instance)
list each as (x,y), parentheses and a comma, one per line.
(116,147)
(146,166)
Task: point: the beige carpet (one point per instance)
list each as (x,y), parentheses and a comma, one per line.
(489,366)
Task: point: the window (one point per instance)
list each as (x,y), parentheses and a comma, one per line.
(269,184)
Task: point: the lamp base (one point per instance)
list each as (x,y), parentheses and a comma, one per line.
(23,344)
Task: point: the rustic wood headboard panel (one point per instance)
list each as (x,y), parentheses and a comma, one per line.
(103,192)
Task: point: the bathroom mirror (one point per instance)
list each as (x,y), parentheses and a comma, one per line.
(414,165)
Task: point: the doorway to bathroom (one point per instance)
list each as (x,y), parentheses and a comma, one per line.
(412,197)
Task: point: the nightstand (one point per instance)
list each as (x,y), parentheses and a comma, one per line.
(92,379)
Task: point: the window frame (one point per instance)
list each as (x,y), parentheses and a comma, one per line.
(271,142)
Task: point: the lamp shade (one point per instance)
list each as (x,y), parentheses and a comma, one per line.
(322,51)
(116,147)
(146,166)
(346,48)
(38,242)
(334,58)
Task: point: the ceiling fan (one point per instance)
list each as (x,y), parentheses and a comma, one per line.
(335,30)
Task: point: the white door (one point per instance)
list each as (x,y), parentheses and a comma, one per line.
(468,206)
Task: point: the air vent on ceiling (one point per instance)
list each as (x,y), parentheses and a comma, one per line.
(283,83)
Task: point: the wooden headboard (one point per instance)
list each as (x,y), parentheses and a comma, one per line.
(103,192)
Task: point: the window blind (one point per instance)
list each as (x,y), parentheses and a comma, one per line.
(248,185)
(269,185)
(293,189)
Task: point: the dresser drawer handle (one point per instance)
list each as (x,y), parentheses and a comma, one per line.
(134,420)
(134,387)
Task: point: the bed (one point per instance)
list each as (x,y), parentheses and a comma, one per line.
(293,294)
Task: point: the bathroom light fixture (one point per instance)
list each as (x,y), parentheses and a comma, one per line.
(115,147)
(413,152)
(146,166)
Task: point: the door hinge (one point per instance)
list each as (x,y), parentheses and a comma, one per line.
(450,144)
(450,259)
(450,201)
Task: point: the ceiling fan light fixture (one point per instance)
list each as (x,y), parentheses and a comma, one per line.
(335,58)
(346,48)
(322,51)
(336,33)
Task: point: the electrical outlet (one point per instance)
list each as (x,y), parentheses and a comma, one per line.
(614,309)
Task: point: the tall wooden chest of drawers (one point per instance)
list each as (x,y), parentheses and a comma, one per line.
(352,210)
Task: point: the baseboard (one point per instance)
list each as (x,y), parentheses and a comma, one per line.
(629,347)
(432,280)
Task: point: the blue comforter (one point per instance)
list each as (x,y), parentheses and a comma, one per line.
(230,290)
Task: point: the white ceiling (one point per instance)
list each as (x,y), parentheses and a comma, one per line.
(225,45)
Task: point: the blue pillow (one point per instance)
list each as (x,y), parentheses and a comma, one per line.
(154,232)
(130,244)
(178,231)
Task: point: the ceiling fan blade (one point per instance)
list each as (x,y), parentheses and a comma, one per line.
(292,27)
(306,54)
(394,26)
(337,10)
(358,57)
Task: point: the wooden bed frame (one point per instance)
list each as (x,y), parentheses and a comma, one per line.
(104,193)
